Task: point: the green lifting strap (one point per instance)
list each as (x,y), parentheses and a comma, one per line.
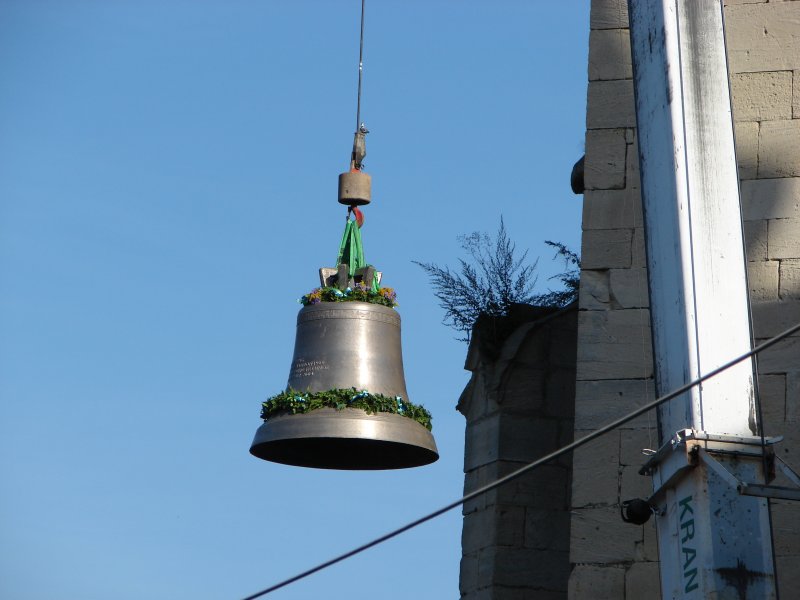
(351,252)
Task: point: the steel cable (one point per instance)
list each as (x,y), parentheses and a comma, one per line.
(360,67)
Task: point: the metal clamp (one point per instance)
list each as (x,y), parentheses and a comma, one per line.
(702,447)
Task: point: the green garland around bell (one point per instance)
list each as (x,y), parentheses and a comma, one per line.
(294,402)
(384,296)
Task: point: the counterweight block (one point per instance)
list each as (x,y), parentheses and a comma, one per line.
(355,188)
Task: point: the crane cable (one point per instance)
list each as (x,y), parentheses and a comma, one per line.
(360,68)
(530,466)
(359,140)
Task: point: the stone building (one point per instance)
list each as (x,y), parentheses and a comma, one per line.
(543,377)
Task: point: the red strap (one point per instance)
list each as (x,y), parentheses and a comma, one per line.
(359,216)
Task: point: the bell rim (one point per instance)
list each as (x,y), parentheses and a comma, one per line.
(330,438)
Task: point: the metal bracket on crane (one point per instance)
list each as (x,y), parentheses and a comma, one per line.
(688,448)
(757,489)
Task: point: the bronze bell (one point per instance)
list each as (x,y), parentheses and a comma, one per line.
(343,345)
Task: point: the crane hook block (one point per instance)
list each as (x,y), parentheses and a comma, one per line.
(355,186)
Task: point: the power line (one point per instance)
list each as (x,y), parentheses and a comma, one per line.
(530,466)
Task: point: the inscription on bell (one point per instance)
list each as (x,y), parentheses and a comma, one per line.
(341,345)
(306,368)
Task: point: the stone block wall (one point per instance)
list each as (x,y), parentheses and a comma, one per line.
(615,365)
(519,406)
(614,370)
(557,533)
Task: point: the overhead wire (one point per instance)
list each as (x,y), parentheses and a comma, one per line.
(532,465)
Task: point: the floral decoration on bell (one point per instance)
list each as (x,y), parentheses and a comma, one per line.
(384,296)
(294,402)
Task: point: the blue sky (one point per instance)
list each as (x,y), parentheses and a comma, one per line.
(167,191)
